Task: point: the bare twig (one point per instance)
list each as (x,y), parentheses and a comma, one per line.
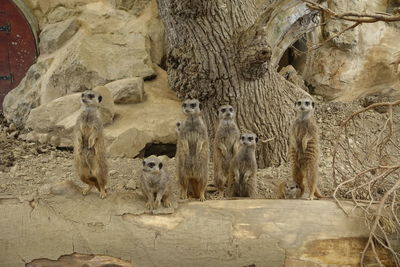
(366,171)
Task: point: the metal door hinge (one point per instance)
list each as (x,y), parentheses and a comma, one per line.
(5,28)
(6,78)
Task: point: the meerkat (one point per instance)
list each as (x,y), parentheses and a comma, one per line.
(304,147)
(288,190)
(192,151)
(89,151)
(243,168)
(225,145)
(155,183)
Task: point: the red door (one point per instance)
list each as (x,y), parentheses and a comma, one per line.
(17,47)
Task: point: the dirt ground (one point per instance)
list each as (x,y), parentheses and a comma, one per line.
(30,169)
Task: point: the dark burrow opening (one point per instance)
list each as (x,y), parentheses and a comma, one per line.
(158,149)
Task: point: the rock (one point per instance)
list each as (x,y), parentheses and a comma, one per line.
(60,13)
(53,36)
(127,91)
(131,185)
(45,117)
(57,118)
(130,143)
(18,102)
(92,60)
(107,108)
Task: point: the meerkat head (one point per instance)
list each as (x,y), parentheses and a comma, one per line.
(152,164)
(191,107)
(248,139)
(291,186)
(226,112)
(91,98)
(304,107)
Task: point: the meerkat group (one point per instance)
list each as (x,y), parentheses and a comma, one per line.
(234,155)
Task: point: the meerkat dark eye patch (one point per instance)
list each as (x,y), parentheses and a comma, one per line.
(242,137)
(307,103)
(100,98)
(160,165)
(91,96)
(250,138)
(231,109)
(297,186)
(193,105)
(298,103)
(223,110)
(82,95)
(184,105)
(151,164)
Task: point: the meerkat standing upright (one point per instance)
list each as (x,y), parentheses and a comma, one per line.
(192,151)
(225,145)
(155,183)
(243,168)
(304,147)
(89,152)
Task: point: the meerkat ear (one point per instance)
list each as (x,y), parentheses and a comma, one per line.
(256,139)
(200,106)
(143,162)
(100,98)
(178,124)
(313,104)
(160,165)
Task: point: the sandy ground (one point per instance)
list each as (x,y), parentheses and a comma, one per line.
(31,169)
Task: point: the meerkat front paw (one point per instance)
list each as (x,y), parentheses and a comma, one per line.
(149,205)
(86,191)
(103,194)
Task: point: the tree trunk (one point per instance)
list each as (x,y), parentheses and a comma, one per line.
(218,54)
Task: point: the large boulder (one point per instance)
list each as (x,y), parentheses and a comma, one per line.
(53,36)
(58,117)
(127,91)
(93,60)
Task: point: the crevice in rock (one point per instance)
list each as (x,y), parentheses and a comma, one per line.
(159,149)
(294,56)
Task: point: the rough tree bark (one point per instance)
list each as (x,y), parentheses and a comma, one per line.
(218,53)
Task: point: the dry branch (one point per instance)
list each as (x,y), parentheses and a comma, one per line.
(366,169)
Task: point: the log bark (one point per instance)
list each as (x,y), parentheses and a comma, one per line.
(219,54)
(214,233)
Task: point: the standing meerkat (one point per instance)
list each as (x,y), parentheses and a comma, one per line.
(155,183)
(243,168)
(192,151)
(288,190)
(225,145)
(89,151)
(304,147)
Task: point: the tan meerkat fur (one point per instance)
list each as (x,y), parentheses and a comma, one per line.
(304,147)
(288,190)
(155,183)
(192,151)
(89,151)
(225,145)
(242,178)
